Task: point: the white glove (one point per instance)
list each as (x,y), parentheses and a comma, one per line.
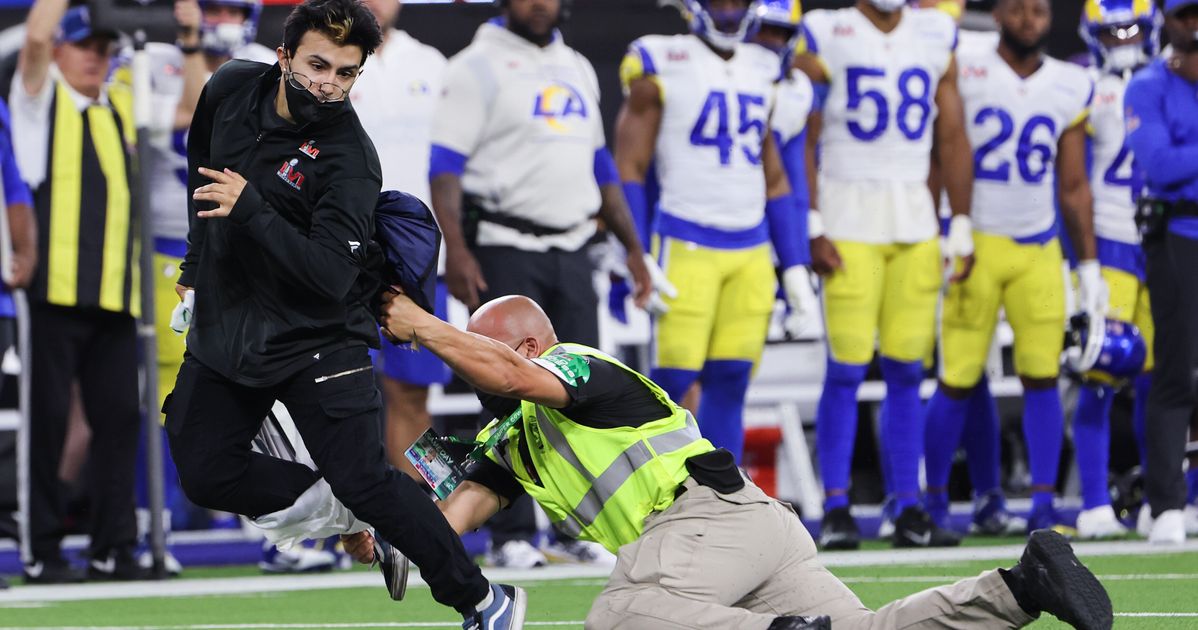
(803,321)
(959,242)
(181,316)
(661,286)
(1092,294)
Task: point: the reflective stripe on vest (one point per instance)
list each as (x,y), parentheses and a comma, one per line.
(625,465)
(91,249)
(633,470)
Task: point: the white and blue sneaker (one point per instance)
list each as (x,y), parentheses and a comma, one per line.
(298,559)
(505,612)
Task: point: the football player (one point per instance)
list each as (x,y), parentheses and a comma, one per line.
(1122,36)
(779,30)
(891,86)
(1026,117)
(699,105)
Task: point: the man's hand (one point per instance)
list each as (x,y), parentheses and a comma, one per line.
(224,192)
(958,245)
(181,291)
(22,268)
(464,277)
(803,321)
(825,260)
(399,316)
(359,546)
(188,17)
(642,279)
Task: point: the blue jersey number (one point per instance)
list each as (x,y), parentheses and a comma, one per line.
(915,88)
(1123,163)
(751,128)
(1031,171)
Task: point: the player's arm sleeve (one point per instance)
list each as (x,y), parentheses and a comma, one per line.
(324,262)
(458,125)
(787,215)
(199,148)
(1164,162)
(605,168)
(638,64)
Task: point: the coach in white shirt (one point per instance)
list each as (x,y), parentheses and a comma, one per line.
(519,174)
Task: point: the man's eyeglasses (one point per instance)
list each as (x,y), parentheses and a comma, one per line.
(330,92)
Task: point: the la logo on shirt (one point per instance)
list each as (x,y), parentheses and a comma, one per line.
(557,103)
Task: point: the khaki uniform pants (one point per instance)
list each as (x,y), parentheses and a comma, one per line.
(743,559)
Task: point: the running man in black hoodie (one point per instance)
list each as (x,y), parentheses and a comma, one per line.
(284,183)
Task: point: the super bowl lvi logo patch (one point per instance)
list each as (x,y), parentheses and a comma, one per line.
(292,175)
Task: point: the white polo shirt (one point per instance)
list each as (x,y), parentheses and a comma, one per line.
(528,119)
(395,99)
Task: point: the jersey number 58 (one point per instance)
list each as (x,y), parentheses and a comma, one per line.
(915,88)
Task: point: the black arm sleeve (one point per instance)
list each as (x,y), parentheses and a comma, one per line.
(326,261)
(497,479)
(199,149)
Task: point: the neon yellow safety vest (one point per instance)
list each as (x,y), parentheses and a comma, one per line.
(598,484)
(88,237)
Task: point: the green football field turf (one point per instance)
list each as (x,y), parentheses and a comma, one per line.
(1148,591)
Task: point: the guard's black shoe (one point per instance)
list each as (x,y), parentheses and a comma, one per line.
(914,528)
(53,571)
(1051,579)
(394,567)
(119,565)
(802,623)
(839,530)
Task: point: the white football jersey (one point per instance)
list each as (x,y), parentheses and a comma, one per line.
(168,146)
(794,98)
(1111,170)
(395,99)
(1014,125)
(880,109)
(714,120)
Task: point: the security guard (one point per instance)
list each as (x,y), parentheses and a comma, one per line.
(1161,116)
(612,459)
(72,135)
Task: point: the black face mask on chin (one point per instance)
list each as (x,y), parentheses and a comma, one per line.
(305,107)
(1020,48)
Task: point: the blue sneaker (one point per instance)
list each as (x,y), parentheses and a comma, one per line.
(992,518)
(506,612)
(1049,518)
(936,505)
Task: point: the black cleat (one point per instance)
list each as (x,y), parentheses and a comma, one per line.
(802,623)
(914,528)
(394,567)
(839,530)
(55,571)
(1057,583)
(119,565)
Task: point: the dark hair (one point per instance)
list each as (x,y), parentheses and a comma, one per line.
(346,22)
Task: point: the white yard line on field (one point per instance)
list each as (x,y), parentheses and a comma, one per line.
(573,575)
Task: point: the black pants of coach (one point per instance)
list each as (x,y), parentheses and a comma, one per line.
(211,422)
(97,349)
(561,283)
(1173,291)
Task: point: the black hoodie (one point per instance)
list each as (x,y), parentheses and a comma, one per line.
(282,278)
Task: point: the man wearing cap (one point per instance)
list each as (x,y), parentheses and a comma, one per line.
(72,135)
(1161,116)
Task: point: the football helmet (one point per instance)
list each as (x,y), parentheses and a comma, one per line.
(722,29)
(783,14)
(1104,350)
(226,39)
(1123,19)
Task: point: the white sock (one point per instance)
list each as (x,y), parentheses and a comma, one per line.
(487,601)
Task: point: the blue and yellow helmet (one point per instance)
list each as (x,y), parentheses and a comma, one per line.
(226,39)
(722,29)
(1124,20)
(783,14)
(1108,351)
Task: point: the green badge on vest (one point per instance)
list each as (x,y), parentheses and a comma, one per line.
(572,367)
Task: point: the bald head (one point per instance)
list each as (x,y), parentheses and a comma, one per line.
(515,321)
